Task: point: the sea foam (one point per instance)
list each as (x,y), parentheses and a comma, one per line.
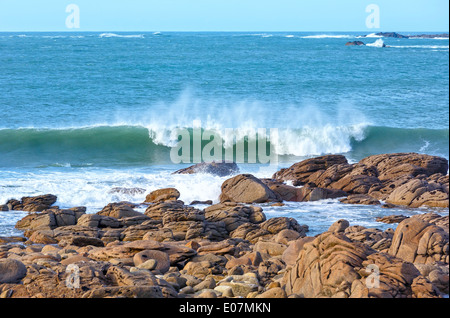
(114,35)
(377,43)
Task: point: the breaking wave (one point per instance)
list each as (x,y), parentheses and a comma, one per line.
(137,145)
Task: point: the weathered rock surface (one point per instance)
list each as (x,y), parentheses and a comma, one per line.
(360,199)
(221,169)
(161,195)
(49,219)
(299,173)
(326,267)
(233,215)
(409,179)
(119,210)
(31,204)
(11,271)
(391,219)
(332,265)
(418,241)
(417,193)
(231,249)
(246,188)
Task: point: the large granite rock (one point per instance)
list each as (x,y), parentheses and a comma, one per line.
(418,192)
(246,188)
(409,179)
(334,266)
(161,195)
(119,210)
(418,241)
(299,173)
(326,267)
(11,271)
(30,204)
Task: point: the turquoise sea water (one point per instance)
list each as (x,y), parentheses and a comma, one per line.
(82,113)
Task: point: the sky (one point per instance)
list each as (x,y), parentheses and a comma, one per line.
(224,15)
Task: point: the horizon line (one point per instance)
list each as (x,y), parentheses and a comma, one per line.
(224,31)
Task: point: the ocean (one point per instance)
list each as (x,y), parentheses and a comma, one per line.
(84,113)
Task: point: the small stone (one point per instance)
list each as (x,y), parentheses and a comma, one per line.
(208,283)
(151,264)
(207,294)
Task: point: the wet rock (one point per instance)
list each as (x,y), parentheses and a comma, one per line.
(355,43)
(127,191)
(299,173)
(220,169)
(38,203)
(392,35)
(37,221)
(308,193)
(390,219)
(11,239)
(207,202)
(360,199)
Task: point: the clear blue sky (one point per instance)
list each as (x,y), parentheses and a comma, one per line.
(224,15)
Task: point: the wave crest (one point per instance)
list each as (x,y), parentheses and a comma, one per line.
(137,145)
(114,35)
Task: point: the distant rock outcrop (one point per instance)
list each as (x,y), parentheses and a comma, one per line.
(392,35)
(413,36)
(355,43)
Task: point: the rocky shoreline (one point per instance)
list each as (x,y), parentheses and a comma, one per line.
(231,249)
